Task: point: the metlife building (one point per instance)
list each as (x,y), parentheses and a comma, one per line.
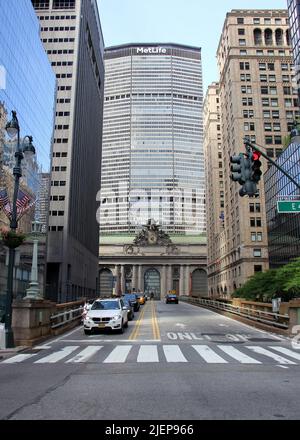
(152,157)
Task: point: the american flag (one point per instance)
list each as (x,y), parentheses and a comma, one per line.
(23,199)
(3,198)
(5,203)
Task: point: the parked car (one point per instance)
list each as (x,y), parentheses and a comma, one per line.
(132,297)
(106,314)
(171,298)
(130,309)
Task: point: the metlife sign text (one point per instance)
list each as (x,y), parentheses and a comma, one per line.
(151,50)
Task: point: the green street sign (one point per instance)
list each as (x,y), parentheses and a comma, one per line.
(288,207)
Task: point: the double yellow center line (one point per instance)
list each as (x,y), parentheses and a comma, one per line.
(155,327)
(154,323)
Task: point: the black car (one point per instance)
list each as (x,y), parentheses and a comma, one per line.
(130,309)
(171,298)
(133,299)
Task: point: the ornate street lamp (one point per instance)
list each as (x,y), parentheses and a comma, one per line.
(13,130)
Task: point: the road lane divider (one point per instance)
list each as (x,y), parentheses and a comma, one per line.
(136,329)
(155,326)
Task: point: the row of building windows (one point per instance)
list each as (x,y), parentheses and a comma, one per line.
(57,198)
(56,29)
(58,183)
(61,141)
(60,52)
(265,20)
(60,154)
(62,113)
(57,213)
(61,127)
(57,17)
(64,88)
(261,52)
(62,63)
(56,228)
(63,75)
(59,168)
(58,40)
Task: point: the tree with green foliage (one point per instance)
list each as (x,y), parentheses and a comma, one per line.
(264,286)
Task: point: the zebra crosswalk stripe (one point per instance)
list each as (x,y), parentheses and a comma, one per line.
(18,358)
(57,356)
(209,355)
(287,352)
(85,354)
(148,353)
(173,353)
(118,355)
(279,359)
(238,355)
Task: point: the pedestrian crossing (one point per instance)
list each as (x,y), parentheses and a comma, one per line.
(150,353)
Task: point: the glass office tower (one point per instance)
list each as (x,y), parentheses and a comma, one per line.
(27,82)
(152,157)
(283,229)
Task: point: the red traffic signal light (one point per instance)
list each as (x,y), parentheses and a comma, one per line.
(256,155)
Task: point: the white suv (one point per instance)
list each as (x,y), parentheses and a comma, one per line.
(106,313)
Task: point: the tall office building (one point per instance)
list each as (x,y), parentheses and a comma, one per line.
(294,21)
(214,165)
(27,86)
(152,216)
(283,228)
(72,37)
(257,100)
(152,162)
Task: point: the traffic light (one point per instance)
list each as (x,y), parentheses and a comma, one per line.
(242,172)
(255,167)
(238,169)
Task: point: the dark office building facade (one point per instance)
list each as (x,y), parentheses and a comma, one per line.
(283,229)
(72,37)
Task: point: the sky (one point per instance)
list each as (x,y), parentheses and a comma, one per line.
(192,22)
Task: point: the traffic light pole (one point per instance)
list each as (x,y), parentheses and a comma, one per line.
(254,147)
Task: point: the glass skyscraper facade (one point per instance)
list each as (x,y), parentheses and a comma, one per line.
(27,82)
(283,229)
(294,19)
(152,156)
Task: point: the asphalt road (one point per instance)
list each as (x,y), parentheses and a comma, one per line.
(173,362)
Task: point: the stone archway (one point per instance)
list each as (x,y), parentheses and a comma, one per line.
(199,283)
(152,282)
(106,282)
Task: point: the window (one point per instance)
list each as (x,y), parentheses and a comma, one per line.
(269,140)
(256,20)
(240,20)
(257,253)
(262,66)
(264,90)
(242,42)
(267,114)
(263,78)
(268,126)
(286,90)
(274,102)
(257,268)
(241,31)
(245,66)
(271,67)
